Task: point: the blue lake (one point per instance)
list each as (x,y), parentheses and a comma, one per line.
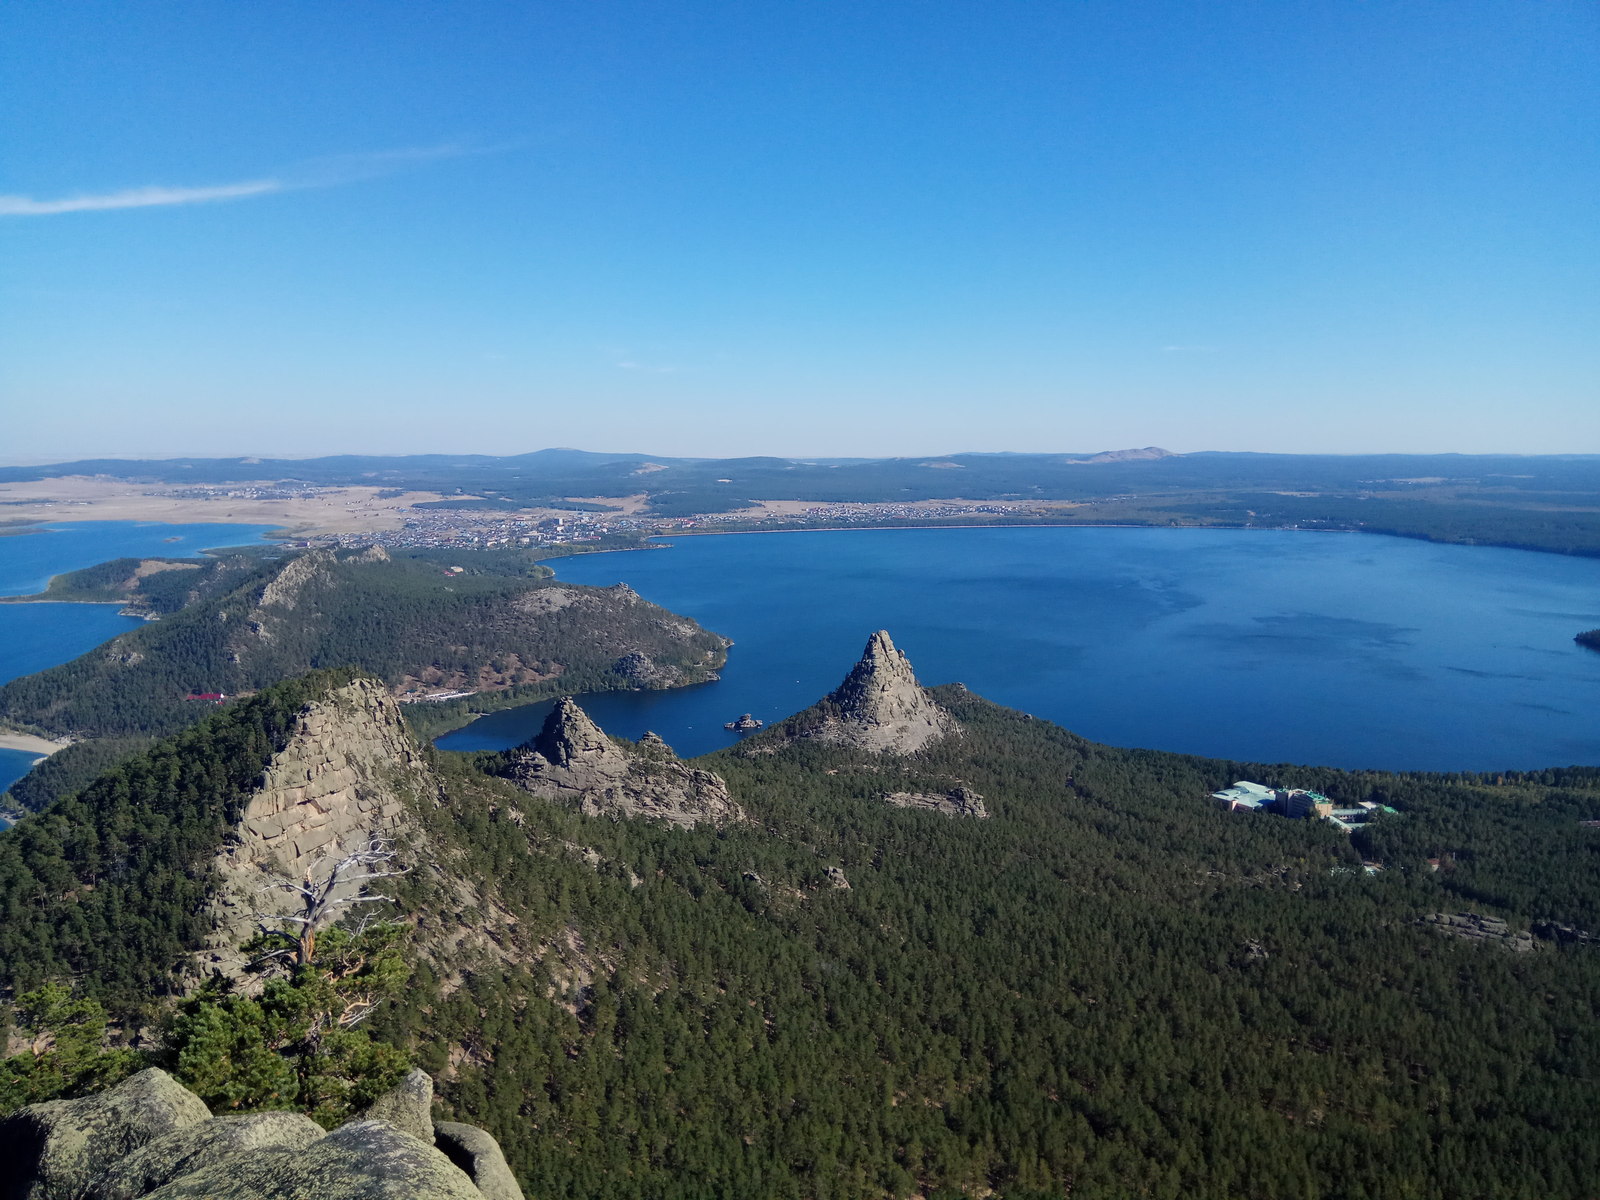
(36,636)
(1343,649)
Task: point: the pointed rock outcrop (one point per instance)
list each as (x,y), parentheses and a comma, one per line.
(572,759)
(879,707)
(344,778)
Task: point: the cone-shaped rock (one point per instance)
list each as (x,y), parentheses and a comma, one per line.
(572,759)
(573,742)
(880,707)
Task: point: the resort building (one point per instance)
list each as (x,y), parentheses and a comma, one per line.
(1245,795)
(1297,804)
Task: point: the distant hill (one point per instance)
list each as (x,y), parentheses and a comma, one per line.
(545,474)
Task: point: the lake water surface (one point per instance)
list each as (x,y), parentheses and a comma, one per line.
(1350,650)
(36,636)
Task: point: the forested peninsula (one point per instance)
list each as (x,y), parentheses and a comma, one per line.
(498,629)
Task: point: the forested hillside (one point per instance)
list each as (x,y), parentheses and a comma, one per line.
(241,624)
(1109,988)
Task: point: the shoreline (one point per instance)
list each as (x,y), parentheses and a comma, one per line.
(30,743)
(972,525)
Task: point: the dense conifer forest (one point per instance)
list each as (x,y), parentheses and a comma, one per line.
(1109,988)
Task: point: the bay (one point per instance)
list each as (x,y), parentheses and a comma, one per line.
(36,636)
(1348,650)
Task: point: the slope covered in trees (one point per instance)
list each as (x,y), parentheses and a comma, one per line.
(1109,988)
(242,624)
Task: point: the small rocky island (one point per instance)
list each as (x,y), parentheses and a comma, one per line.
(1589,638)
(745,724)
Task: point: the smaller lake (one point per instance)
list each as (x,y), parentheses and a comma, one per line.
(1348,650)
(36,636)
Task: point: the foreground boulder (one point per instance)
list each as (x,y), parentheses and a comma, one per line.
(364,1160)
(150,1138)
(479,1155)
(59,1150)
(572,759)
(186,1151)
(408,1106)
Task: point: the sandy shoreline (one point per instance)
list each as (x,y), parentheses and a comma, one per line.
(31,744)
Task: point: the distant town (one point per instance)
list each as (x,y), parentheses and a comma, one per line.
(475,529)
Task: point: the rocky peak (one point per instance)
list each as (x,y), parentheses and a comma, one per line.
(880,707)
(285,587)
(570,740)
(572,759)
(342,779)
(880,685)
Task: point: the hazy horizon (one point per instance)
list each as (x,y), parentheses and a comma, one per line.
(6,461)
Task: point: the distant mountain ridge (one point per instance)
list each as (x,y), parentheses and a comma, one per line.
(542,475)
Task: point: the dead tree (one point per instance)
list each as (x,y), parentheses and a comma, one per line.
(331,889)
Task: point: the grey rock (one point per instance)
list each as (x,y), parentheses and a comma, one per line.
(185,1151)
(57,1150)
(958,802)
(1555,931)
(879,708)
(1478,928)
(836,877)
(636,668)
(408,1106)
(573,760)
(364,1160)
(478,1154)
(342,779)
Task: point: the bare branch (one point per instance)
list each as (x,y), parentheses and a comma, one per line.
(318,894)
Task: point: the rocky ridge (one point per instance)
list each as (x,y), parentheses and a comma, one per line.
(957,802)
(1476,927)
(150,1137)
(344,778)
(879,708)
(573,760)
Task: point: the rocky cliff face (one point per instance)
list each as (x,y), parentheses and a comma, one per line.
(958,802)
(151,1137)
(573,760)
(343,779)
(879,708)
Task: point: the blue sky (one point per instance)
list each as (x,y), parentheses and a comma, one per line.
(819,228)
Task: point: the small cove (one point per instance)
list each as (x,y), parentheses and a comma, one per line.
(1347,650)
(36,636)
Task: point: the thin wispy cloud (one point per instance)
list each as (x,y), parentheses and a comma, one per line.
(333,171)
(1175,349)
(145,197)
